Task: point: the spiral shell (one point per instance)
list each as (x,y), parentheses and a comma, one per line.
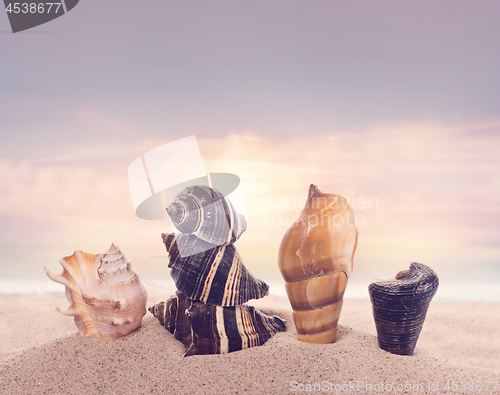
(106,297)
(400,307)
(211,274)
(315,259)
(207,329)
(208,214)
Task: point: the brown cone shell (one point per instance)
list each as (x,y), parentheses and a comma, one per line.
(315,259)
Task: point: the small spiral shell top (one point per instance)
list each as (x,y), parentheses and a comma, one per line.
(400,306)
(315,259)
(107,299)
(208,214)
(214,275)
(208,329)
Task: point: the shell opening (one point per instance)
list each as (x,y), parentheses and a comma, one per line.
(402,274)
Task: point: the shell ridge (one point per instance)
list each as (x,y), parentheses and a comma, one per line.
(266,322)
(240,324)
(253,330)
(85,325)
(88,275)
(274,323)
(221,276)
(230,219)
(318,275)
(201,218)
(59,278)
(234,294)
(76,276)
(216,276)
(190,272)
(230,284)
(224,316)
(69,311)
(211,272)
(236,297)
(246,328)
(221,221)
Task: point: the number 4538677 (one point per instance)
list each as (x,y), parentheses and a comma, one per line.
(471,386)
(33,8)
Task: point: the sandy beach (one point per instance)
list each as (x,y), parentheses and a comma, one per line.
(41,352)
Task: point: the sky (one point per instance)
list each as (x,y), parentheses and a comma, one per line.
(394,105)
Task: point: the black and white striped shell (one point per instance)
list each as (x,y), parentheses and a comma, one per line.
(208,329)
(400,306)
(211,274)
(208,214)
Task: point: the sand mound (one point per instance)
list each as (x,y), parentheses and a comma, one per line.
(150,361)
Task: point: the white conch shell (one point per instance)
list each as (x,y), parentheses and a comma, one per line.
(107,298)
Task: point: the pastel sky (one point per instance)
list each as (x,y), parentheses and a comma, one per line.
(394,105)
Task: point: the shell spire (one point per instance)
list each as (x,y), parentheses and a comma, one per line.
(208,214)
(316,259)
(115,267)
(314,191)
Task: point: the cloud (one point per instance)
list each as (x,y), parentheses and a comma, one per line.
(412,182)
(423,190)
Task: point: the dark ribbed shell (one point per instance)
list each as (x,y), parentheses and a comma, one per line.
(206,329)
(206,213)
(400,307)
(214,275)
(172,315)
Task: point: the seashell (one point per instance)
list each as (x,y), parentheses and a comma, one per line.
(208,214)
(315,259)
(106,297)
(400,306)
(208,329)
(211,274)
